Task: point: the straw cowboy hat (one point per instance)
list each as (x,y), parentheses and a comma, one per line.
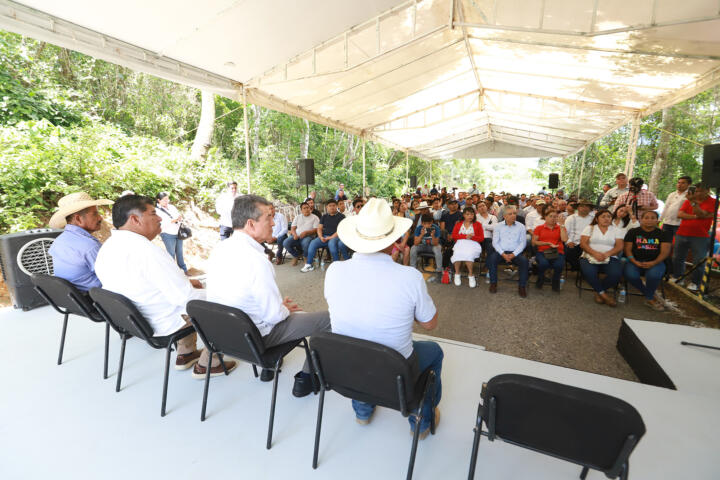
(373,229)
(423,205)
(73,203)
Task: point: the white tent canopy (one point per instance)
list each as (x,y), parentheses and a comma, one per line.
(437,78)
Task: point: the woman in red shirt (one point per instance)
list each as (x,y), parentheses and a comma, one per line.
(549,239)
(468,236)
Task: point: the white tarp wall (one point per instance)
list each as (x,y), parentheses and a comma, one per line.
(440,78)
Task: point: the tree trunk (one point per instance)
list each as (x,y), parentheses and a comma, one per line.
(203,138)
(662,151)
(66,65)
(306,141)
(257,113)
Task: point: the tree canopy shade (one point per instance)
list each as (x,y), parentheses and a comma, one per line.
(438,78)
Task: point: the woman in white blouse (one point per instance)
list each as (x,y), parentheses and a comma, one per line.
(170,225)
(488,222)
(601,242)
(624,220)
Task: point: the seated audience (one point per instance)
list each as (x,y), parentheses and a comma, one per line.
(388,301)
(74,251)
(646,248)
(327,237)
(311,202)
(468,236)
(574,225)
(488,223)
(508,243)
(239,275)
(601,243)
(357,205)
(624,219)
(130,264)
(303,229)
(437,210)
(341,206)
(534,218)
(401,246)
(549,239)
(426,240)
(279,233)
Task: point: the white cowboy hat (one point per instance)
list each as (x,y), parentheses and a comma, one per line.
(374,228)
(73,203)
(422,205)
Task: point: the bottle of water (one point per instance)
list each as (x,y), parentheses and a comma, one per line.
(622,296)
(562,282)
(487,277)
(322,263)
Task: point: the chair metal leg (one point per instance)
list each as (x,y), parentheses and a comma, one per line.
(476,445)
(413,450)
(222,363)
(165,379)
(318,426)
(62,338)
(207,387)
(122,360)
(255,370)
(584,473)
(313,376)
(625,471)
(272,406)
(107,349)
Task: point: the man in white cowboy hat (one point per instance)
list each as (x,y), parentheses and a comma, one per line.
(74,251)
(376,310)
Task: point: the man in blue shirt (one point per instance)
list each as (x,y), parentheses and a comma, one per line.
(427,239)
(74,251)
(508,243)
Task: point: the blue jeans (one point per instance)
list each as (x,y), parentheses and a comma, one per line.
(653,277)
(591,272)
(298,248)
(699,248)
(429,355)
(174,246)
(494,259)
(557,264)
(333,245)
(280,241)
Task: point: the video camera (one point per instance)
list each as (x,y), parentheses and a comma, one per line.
(636,184)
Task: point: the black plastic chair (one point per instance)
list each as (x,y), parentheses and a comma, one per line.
(229,331)
(124,317)
(372,373)
(66,300)
(588,428)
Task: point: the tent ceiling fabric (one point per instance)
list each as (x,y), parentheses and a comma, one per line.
(440,78)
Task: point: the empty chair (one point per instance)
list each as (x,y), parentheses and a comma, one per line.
(372,373)
(229,331)
(125,318)
(588,428)
(66,299)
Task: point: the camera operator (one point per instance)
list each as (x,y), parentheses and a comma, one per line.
(637,199)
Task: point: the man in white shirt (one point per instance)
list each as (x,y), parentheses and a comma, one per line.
(302,232)
(130,264)
(388,300)
(473,190)
(534,217)
(223,206)
(669,218)
(240,275)
(621,182)
(574,225)
(279,233)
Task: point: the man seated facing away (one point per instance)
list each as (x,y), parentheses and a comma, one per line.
(327,237)
(131,265)
(301,233)
(509,240)
(239,275)
(426,240)
(74,251)
(279,233)
(574,225)
(375,311)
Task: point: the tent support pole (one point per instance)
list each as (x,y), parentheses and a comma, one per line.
(632,146)
(407,170)
(364,181)
(582,168)
(247,139)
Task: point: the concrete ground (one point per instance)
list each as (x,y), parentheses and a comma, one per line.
(559,329)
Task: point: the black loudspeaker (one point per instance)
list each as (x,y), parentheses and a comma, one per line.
(21,255)
(413,181)
(711,165)
(553,181)
(306,172)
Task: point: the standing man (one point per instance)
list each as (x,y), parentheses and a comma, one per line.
(605,189)
(509,241)
(74,251)
(669,217)
(388,300)
(223,206)
(340,193)
(279,233)
(692,235)
(473,190)
(240,276)
(639,200)
(612,194)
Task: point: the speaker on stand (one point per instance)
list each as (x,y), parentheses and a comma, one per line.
(413,181)
(306,174)
(553,181)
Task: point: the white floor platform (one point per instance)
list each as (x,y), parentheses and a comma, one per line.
(692,369)
(65,422)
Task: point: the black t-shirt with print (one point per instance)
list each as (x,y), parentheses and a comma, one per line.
(646,245)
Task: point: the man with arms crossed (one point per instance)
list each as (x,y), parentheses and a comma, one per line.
(377,311)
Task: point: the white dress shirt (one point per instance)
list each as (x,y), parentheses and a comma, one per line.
(240,275)
(382,306)
(488,224)
(574,225)
(133,266)
(167,225)
(223,206)
(532,220)
(672,205)
(281,225)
